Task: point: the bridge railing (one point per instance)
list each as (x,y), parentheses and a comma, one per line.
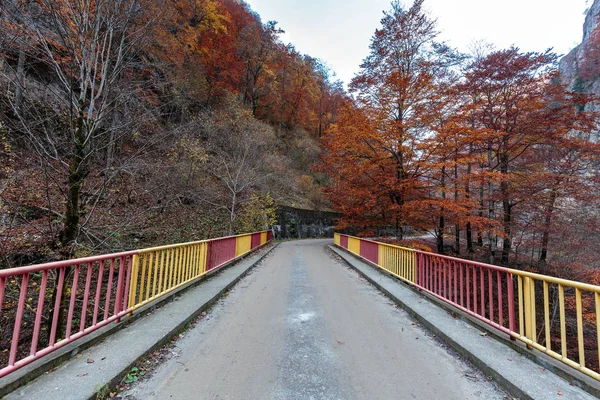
(558,317)
(92,292)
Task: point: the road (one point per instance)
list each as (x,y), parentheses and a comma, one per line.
(305,326)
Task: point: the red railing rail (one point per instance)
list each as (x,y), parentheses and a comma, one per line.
(45,307)
(58,286)
(558,317)
(481,290)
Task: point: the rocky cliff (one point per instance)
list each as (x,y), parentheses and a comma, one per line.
(570,64)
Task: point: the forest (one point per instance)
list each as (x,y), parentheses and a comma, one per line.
(131,123)
(488,152)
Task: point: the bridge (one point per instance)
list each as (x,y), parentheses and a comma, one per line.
(309,319)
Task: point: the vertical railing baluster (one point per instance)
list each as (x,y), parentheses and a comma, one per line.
(120,281)
(14,346)
(129,273)
(132,292)
(482,289)
(547,316)
(521,315)
(475,289)
(98,293)
(38,314)
(72,302)
(491,295)
(580,342)
(462,301)
(563,325)
(596,300)
(57,302)
(109,285)
(150,274)
(86,297)
(468,283)
(500,299)
(144,265)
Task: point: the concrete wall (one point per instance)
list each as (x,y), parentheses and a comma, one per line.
(295,223)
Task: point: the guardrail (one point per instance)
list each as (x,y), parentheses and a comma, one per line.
(92,292)
(521,304)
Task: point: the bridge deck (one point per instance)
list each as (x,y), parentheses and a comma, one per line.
(305,326)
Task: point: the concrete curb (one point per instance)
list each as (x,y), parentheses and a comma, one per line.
(37,369)
(499,373)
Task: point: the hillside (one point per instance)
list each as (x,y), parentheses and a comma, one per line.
(131,123)
(138,122)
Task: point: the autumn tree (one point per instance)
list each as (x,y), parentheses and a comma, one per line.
(330,95)
(183,50)
(257,50)
(563,178)
(450,154)
(351,162)
(398,81)
(520,108)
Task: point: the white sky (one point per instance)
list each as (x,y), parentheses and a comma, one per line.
(339,31)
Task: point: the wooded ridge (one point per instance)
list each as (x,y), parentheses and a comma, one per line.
(131,123)
(137,122)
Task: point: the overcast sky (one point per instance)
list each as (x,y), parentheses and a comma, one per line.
(339,31)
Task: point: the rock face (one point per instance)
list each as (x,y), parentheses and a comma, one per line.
(569,64)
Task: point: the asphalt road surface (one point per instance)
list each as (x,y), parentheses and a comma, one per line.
(305,326)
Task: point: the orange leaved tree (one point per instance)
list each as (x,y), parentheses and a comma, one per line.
(379,153)
(520,111)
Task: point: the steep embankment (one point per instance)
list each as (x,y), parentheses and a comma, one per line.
(189,124)
(579,67)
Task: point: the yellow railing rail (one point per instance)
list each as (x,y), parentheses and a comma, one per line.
(100,290)
(397,260)
(558,317)
(160,270)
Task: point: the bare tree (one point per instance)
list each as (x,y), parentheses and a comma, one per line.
(87,47)
(241,158)
(81,54)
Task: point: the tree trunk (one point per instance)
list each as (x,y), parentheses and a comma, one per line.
(491,211)
(76,177)
(232,213)
(399,230)
(469,235)
(456,226)
(320,133)
(440,235)
(506,224)
(481,208)
(457,239)
(547,224)
(20,79)
(506,205)
(468,231)
(442,220)
(78,171)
